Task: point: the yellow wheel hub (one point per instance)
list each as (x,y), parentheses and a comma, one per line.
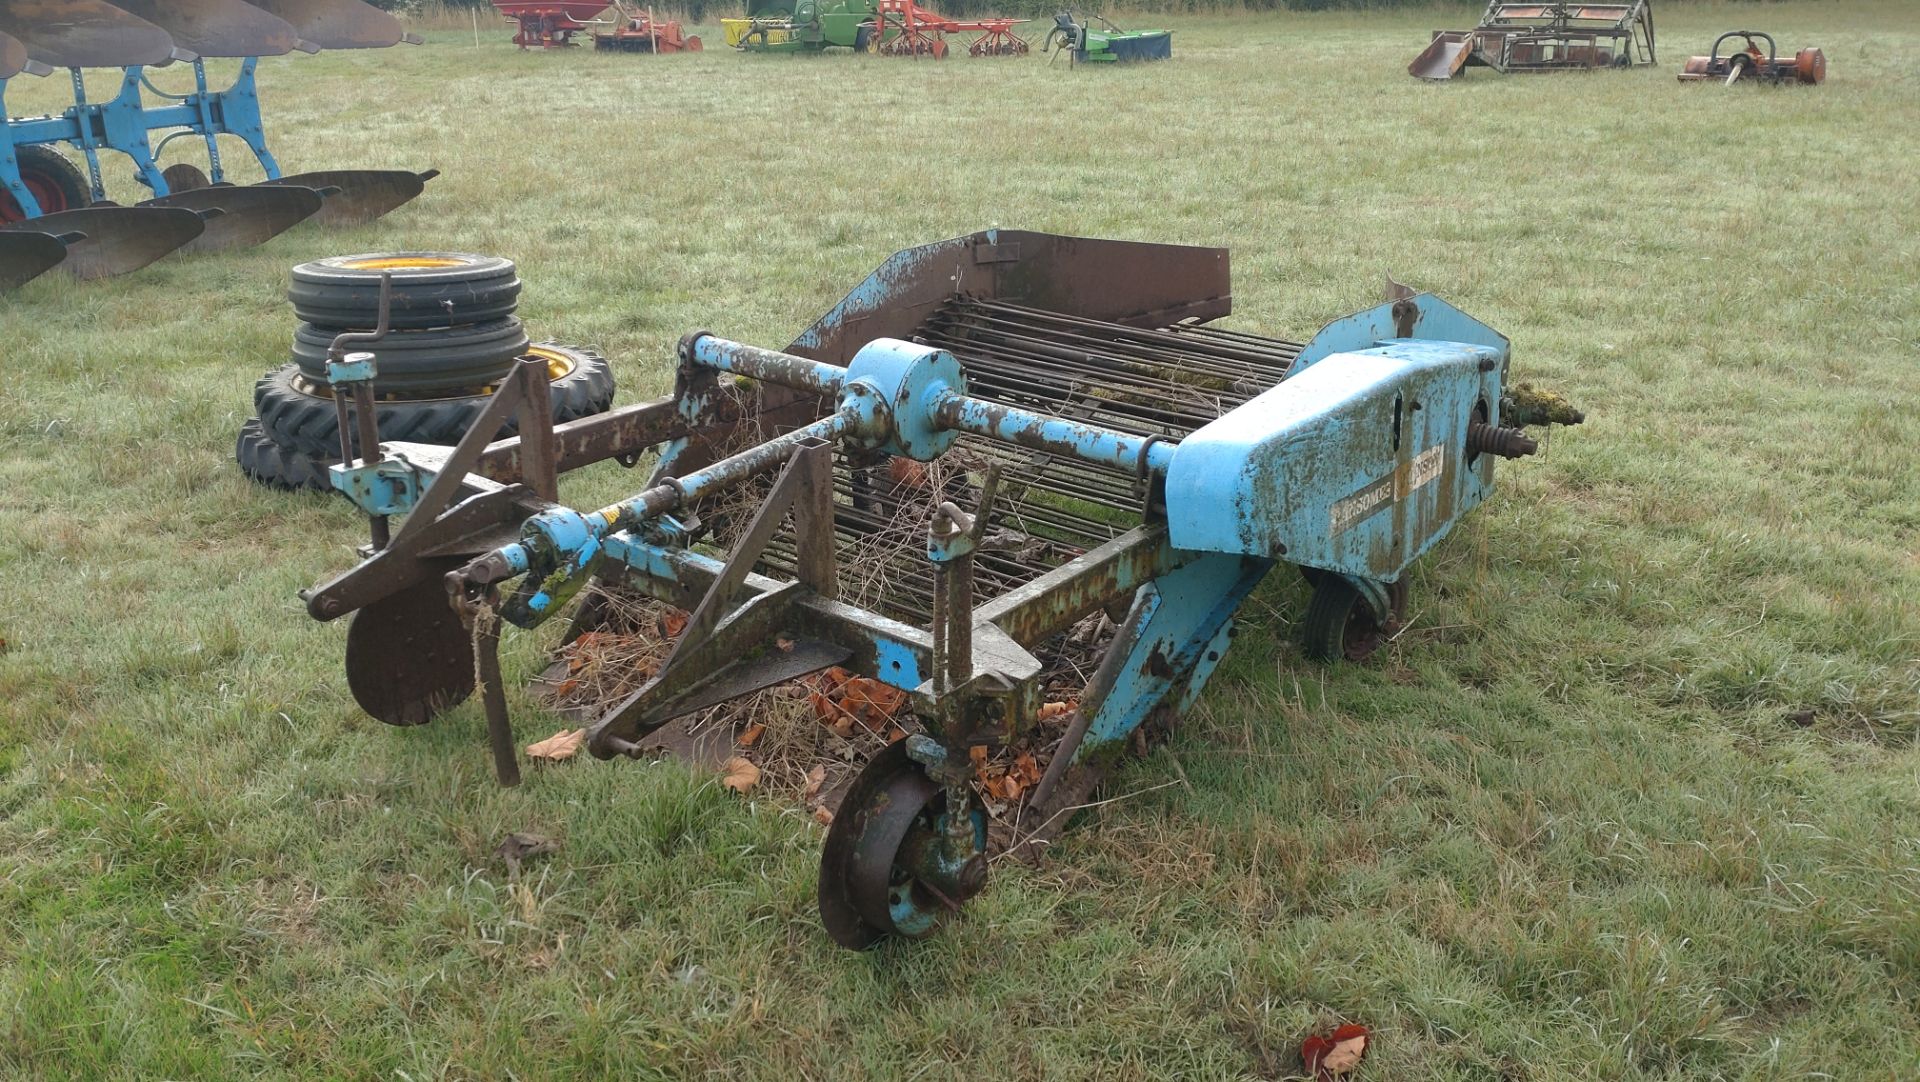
(404,262)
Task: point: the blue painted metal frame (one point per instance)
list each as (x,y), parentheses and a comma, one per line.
(1174,637)
(125,122)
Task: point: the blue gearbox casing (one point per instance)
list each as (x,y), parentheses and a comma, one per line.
(1357,464)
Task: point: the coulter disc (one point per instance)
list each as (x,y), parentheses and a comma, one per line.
(409,657)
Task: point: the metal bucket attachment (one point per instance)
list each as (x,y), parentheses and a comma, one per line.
(1443,57)
(249,215)
(338,24)
(25,255)
(217,27)
(86,34)
(365,194)
(117,239)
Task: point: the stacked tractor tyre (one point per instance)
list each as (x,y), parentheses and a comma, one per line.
(452,338)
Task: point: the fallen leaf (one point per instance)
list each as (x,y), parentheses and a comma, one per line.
(564,744)
(751,735)
(816,779)
(741,775)
(1049,711)
(673,623)
(1346,1055)
(1337,1054)
(822,816)
(905,472)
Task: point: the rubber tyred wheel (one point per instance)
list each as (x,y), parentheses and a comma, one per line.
(270,464)
(430,289)
(428,359)
(1340,624)
(54,182)
(298,412)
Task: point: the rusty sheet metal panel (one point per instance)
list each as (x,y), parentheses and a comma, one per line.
(1135,283)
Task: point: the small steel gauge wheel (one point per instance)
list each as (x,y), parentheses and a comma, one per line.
(886,869)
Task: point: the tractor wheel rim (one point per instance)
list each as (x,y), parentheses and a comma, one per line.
(44,191)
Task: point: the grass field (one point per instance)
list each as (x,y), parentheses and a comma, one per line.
(1636,797)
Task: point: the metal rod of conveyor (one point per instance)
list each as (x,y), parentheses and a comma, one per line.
(1057,435)
(959,412)
(763,458)
(768,364)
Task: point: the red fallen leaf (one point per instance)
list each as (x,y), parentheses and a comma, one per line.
(751,735)
(673,623)
(1049,711)
(566,687)
(816,779)
(1336,1055)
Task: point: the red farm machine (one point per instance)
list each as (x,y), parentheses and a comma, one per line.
(551,24)
(907,29)
(1807,67)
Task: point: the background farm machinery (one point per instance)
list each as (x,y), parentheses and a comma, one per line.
(1084,44)
(1808,66)
(52,214)
(888,27)
(551,24)
(1088,449)
(1537,37)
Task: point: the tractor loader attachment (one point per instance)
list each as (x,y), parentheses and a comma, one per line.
(1546,36)
(38,184)
(990,446)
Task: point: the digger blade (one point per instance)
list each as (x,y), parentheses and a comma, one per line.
(217,27)
(338,24)
(365,194)
(26,256)
(118,239)
(86,34)
(251,215)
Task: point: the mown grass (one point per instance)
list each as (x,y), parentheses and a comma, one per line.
(1635,798)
